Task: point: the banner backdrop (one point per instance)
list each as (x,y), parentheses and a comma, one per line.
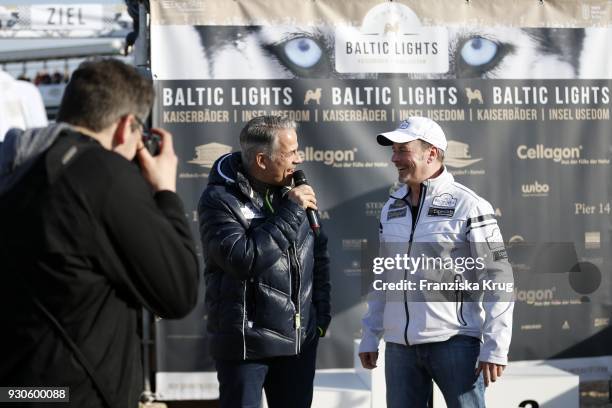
(522,91)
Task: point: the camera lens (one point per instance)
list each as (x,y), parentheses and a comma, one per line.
(152,142)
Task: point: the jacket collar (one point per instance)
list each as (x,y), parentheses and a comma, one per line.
(228,170)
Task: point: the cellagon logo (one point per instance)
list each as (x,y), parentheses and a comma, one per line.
(536,295)
(457,155)
(328,157)
(541,152)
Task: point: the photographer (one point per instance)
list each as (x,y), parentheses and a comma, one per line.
(88,239)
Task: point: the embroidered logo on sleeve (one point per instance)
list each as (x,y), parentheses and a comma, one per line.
(500,254)
(495,240)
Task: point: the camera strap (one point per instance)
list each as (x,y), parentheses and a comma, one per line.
(78,354)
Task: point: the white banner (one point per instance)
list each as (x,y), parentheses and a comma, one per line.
(69,20)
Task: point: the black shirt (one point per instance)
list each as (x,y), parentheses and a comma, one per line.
(93,244)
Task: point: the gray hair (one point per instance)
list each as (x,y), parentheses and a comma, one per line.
(259,136)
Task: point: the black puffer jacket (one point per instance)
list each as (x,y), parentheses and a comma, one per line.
(267,277)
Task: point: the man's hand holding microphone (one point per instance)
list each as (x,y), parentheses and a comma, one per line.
(304,196)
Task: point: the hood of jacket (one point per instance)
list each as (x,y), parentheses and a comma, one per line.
(20,149)
(229,171)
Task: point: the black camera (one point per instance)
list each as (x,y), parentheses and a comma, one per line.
(152,142)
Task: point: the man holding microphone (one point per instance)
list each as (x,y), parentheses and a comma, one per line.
(267,270)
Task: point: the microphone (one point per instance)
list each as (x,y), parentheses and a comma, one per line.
(299,178)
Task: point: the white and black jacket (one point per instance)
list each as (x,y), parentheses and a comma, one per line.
(451,222)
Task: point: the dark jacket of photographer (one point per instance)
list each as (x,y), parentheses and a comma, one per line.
(267,276)
(82,234)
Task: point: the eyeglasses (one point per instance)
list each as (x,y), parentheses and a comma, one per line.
(146,132)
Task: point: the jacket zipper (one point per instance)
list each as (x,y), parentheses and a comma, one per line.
(421,201)
(296,304)
(298,316)
(290,280)
(459,302)
(244,322)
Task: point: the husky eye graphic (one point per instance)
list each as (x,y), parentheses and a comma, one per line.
(478,51)
(304,55)
(303,52)
(287,51)
(477,56)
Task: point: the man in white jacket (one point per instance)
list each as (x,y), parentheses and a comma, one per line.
(21,105)
(443,284)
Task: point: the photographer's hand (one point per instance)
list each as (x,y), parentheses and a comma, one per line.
(160,171)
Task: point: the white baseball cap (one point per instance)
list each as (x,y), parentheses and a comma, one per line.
(413,128)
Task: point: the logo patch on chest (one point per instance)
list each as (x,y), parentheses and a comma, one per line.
(441,212)
(397,213)
(444,200)
(398,204)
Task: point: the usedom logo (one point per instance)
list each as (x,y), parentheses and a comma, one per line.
(391,39)
(457,155)
(206,154)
